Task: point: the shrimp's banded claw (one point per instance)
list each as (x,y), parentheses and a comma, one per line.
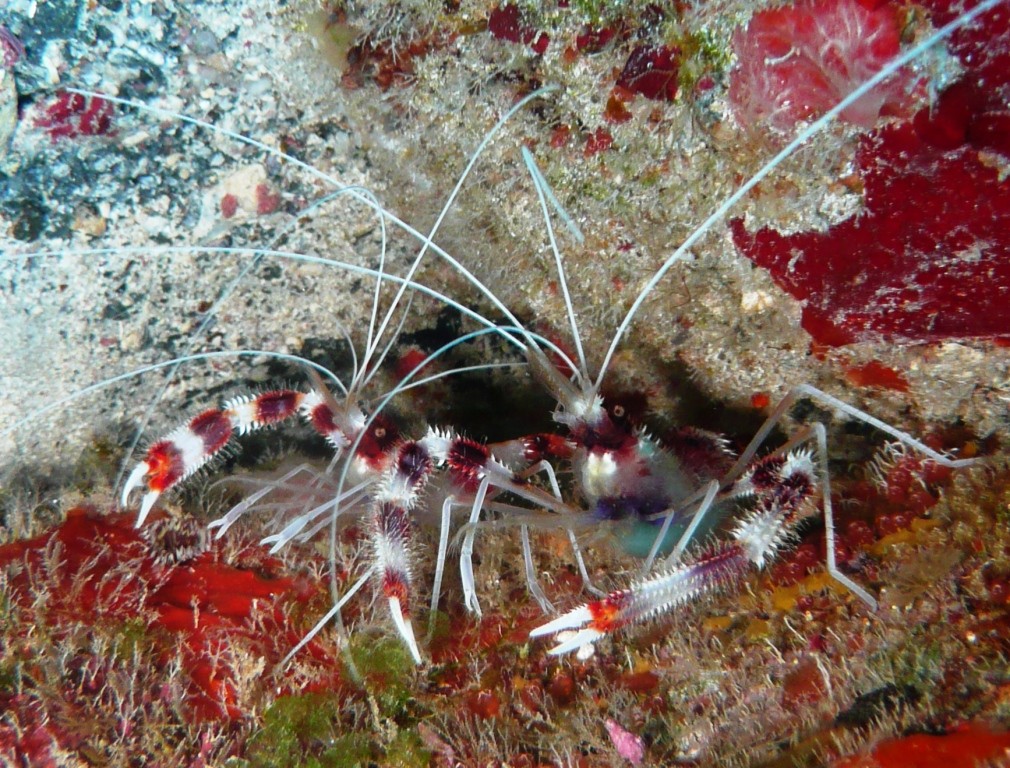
(173,459)
(182,452)
(719,566)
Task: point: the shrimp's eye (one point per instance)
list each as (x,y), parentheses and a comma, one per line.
(380,432)
(618,411)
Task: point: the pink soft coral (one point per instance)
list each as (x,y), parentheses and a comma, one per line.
(796,62)
(928,257)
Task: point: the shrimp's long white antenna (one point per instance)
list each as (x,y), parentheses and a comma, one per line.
(354,355)
(296,257)
(205,323)
(503,332)
(540,184)
(815,127)
(375,299)
(538,177)
(389,345)
(455,372)
(427,243)
(258,255)
(368,199)
(334,611)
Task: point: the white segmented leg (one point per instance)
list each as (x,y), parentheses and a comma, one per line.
(295,527)
(829,522)
(707,495)
(466,553)
(580,562)
(329,615)
(657,542)
(474,463)
(326,521)
(897,434)
(706,504)
(443,548)
(292,529)
(545,467)
(531,574)
(233,514)
(805,390)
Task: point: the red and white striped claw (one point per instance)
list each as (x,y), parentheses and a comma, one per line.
(578,627)
(721,565)
(135,480)
(177,456)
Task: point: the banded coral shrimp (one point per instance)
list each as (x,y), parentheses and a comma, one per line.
(459,749)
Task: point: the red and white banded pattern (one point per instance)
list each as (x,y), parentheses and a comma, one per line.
(785,487)
(391,523)
(182,452)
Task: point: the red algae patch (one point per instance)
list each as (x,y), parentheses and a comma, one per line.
(876,374)
(928,257)
(967,745)
(506,23)
(202,616)
(652,72)
(71,115)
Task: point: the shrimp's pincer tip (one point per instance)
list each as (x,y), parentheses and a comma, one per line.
(573,631)
(581,641)
(135,481)
(404,627)
(145,507)
(574,619)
